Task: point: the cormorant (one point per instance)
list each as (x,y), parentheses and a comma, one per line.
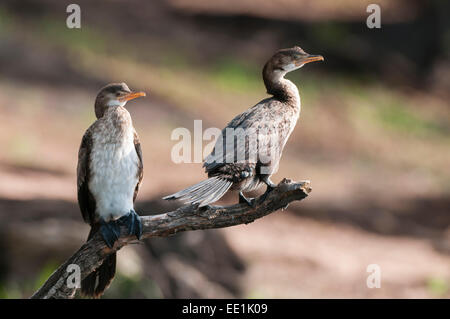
(109,174)
(250,147)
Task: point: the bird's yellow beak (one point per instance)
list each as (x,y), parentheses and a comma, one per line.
(310,58)
(131,96)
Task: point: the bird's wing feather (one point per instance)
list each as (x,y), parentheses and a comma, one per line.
(262,124)
(217,159)
(85,199)
(137,146)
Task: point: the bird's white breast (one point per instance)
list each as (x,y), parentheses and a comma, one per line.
(114,170)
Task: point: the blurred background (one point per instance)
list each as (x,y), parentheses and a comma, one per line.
(373,137)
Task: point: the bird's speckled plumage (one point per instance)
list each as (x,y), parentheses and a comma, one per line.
(110,168)
(109,173)
(268,119)
(267,125)
(115,163)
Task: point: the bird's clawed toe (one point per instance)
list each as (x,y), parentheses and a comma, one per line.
(268,190)
(244,200)
(133,223)
(110,232)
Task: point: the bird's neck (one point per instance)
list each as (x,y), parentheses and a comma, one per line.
(282,89)
(119,118)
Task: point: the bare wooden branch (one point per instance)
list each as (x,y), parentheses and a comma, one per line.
(92,253)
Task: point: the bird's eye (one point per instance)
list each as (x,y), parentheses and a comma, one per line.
(118,94)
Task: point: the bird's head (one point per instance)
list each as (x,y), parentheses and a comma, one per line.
(114,95)
(287,60)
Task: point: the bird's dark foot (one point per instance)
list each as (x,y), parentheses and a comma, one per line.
(133,223)
(204,208)
(268,190)
(250,202)
(110,232)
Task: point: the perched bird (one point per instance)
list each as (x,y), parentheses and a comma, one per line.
(248,159)
(109,174)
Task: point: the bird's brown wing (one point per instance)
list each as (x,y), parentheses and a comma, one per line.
(137,146)
(258,124)
(86,200)
(217,158)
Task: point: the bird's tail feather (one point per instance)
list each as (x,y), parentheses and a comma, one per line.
(203,193)
(96,282)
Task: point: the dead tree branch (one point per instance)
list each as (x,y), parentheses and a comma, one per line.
(92,253)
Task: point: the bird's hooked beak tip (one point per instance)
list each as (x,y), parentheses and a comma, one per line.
(131,96)
(311,58)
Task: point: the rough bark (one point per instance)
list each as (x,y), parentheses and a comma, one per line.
(92,253)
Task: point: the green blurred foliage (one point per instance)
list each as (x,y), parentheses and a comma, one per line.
(124,286)
(438,286)
(231,74)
